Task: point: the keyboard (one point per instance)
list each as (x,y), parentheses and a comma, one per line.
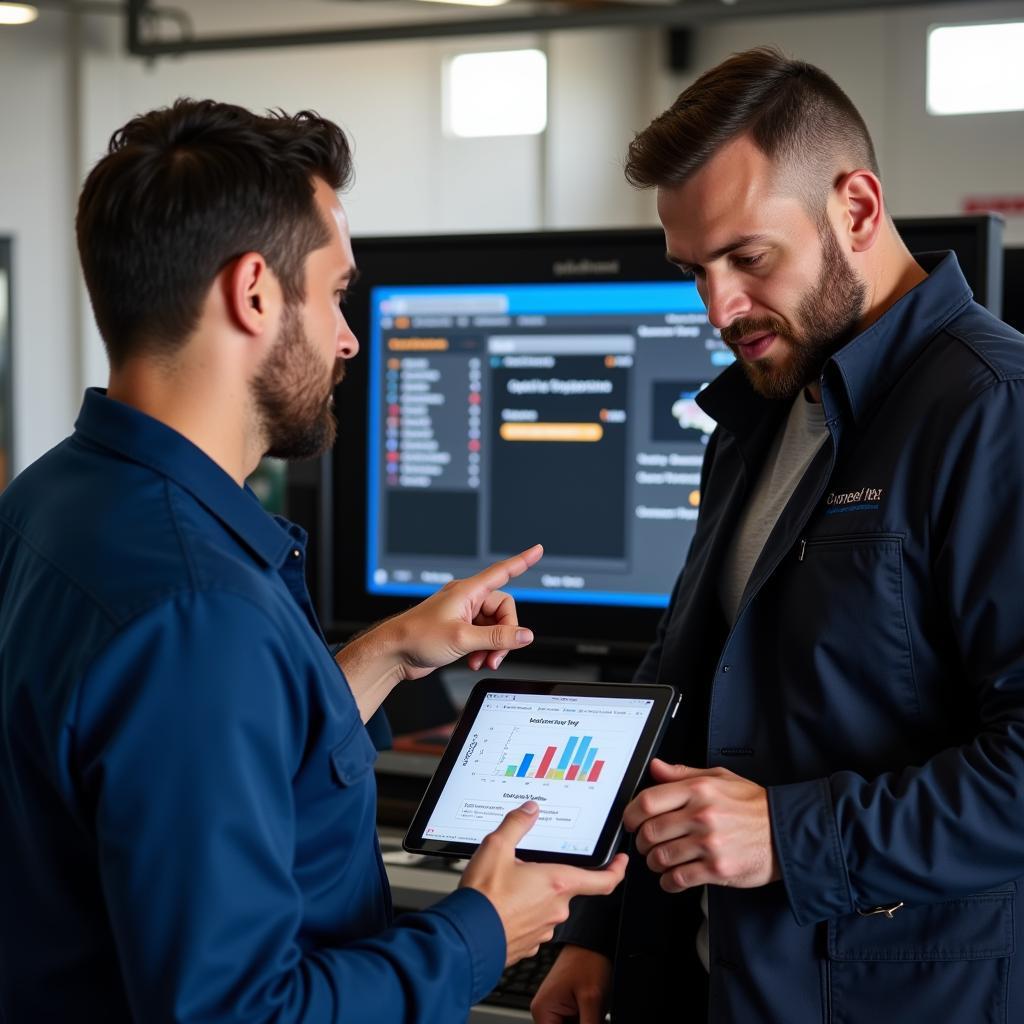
(518,985)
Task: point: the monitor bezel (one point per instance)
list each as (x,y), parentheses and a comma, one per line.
(562,630)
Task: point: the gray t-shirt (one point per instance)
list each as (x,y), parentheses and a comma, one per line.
(791,453)
(796,444)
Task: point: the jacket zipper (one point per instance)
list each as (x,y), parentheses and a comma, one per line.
(849,538)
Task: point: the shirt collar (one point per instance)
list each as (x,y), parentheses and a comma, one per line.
(871,363)
(866,367)
(123,429)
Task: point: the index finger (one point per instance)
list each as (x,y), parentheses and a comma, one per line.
(655,800)
(495,576)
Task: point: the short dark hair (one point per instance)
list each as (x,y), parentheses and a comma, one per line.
(184,190)
(792,110)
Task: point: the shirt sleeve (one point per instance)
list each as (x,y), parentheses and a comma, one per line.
(189,731)
(950,825)
(378,727)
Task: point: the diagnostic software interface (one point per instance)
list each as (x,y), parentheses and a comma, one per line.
(565,414)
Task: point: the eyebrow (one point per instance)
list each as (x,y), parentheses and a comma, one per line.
(737,243)
(349,277)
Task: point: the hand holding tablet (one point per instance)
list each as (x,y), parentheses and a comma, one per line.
(576,749)
(530,899)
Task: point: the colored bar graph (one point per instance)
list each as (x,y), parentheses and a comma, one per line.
(581,750)
(545,762)
(569,747)
(578,763)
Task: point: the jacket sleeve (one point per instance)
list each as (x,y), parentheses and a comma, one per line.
(951,825)
(190,730)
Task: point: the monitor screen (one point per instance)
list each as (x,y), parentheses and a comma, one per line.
(531,388)
(504,414)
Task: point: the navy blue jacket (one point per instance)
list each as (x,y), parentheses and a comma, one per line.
(187,801)
(873,681)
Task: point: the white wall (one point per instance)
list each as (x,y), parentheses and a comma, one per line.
(604,86)
(601,94)
(36,185)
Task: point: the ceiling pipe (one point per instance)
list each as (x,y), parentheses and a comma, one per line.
(685,13)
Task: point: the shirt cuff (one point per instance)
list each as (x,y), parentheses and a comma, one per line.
(809,852)
(593,923)
(473,916)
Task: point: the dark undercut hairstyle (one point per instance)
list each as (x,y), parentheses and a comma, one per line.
(182,192)
(793,111)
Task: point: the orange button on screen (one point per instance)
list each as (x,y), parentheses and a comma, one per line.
(418,344)
(551,431)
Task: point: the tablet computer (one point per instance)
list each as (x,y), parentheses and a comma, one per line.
(578,749)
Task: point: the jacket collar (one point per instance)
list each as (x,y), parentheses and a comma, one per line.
(133,434)
(864,369)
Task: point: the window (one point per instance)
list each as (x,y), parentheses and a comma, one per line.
(974,69)
(502,93)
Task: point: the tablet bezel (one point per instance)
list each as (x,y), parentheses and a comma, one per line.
(665,704)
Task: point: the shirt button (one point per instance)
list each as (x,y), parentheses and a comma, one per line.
(296,553)
(725,668)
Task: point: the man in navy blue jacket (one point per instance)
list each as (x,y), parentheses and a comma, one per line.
(836,832)
(187,800)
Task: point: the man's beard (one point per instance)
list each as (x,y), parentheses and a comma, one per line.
(292,394)
(826,319)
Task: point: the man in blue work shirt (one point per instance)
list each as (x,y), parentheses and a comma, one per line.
(836,832)
(186,797)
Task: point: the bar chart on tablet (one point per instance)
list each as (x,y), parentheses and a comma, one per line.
(574,759)
(568,754)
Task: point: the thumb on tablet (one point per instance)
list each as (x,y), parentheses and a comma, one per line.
(663,771)
(517,823)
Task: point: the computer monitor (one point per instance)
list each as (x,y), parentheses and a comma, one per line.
(532,387)
(6,375)
(977,241)
(1013,292)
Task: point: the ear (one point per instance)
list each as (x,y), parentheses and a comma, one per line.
(860,196)
(251,293)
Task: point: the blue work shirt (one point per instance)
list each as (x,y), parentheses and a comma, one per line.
(187,801)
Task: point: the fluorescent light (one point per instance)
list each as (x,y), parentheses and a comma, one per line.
(468,3)
(499,93)
(17,14)
(974,69)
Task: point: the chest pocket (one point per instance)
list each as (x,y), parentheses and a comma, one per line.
(842,628)
(353,757)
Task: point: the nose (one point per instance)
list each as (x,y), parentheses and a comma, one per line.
(725,298)
(348,344)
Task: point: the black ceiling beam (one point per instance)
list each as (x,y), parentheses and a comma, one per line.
(688,12)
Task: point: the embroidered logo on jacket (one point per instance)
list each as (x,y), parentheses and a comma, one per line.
(854,501)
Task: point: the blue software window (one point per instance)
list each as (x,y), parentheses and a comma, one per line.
(505,415)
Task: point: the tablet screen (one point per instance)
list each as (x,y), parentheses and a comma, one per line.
(567,752)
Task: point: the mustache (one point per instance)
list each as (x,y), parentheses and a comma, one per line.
(738,329)
(339,373)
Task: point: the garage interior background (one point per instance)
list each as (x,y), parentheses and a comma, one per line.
(68,80)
